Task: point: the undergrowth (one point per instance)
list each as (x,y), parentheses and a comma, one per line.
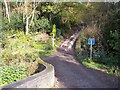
(23,51)
(101,60)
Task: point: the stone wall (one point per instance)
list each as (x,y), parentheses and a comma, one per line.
(43,79)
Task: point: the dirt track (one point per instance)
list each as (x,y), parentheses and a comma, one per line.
(71,74)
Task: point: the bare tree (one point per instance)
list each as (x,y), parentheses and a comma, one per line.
(27,23)
(33,12)
(7,12)
(27,18)
(28,11)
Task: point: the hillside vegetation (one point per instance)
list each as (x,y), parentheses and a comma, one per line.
(103,21)
(31,30)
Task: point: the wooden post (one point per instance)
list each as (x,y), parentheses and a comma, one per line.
(53,41)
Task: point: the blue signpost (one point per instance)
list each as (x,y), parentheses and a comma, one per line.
(91,41)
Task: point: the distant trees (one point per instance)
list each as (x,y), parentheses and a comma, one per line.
(103,20)
(27,10)
(32,14)
(106,17)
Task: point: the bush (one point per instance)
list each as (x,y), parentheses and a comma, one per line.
(42,37)
(12,73)
(22,49)
(101,57)
(41,24)
(15,17)
(18,49)
(107,59)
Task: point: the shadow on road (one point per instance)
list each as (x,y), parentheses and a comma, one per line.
(74,75)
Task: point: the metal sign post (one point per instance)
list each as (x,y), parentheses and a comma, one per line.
(91,51)
(91,41)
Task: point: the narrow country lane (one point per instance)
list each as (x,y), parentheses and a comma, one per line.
(71,74)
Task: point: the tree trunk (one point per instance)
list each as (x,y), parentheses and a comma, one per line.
(7,13)
(50,17)
(32,17)
(53,41)
(88,3)
(33,13)
(23,17)
(27,20)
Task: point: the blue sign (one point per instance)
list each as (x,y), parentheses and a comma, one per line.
(91,41)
